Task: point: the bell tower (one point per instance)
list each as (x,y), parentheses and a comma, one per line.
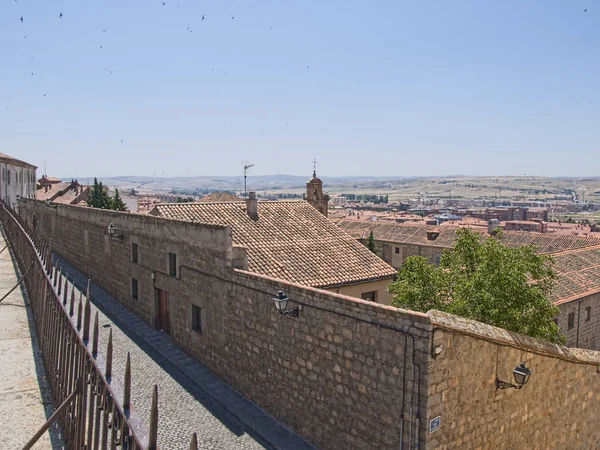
(314,192)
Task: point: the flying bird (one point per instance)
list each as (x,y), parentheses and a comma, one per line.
(585,10)
(21,19)
(121,141)
(233,17)
(104,30)
(202,17)
(60,15)
(44,95)
(31,73)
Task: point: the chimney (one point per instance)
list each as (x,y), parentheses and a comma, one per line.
(252,206)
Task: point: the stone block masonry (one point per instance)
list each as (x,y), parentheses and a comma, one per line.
(558,408)
(345,374)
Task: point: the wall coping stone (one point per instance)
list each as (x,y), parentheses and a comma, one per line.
(479,330)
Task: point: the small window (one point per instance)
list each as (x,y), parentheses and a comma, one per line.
(173,264)
(571,322)
(134,253)
(197,319)
(134,288)
(370,296)
(588,313)
(397,250)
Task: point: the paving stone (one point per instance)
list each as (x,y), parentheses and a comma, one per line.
(191,397)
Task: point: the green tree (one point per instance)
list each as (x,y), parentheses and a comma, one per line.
(485,281)
(116,203)
(371,243)
(98,197)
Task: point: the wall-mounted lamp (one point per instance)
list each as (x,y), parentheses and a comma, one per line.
(281,303)
(521,374)
(114,232)
(49,204)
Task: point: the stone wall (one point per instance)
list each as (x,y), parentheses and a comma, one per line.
(345,374)
(558,408)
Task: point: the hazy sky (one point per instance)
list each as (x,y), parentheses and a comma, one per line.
(368,88)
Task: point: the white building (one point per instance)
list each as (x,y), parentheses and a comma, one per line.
(17,178)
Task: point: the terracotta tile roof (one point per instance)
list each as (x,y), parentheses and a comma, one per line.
(577,274)
(219,197)
(50,180)
(417,234)
(53,191)
(290,240)
(67,197)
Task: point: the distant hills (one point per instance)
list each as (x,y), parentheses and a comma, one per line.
(229,183)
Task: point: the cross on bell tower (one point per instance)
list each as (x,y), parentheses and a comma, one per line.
(314,161)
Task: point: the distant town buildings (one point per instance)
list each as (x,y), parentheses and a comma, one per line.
(17,179)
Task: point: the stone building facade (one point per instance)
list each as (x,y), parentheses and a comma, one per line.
(579,320)
(346,373)
(17,179)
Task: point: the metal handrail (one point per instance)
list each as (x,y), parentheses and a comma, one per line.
(93,416)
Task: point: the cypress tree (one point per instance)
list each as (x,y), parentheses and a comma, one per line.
(117,203)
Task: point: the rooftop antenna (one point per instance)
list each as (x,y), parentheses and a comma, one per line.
(45,173)
(246,167)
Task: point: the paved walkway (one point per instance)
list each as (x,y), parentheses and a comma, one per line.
(25,402)
(191,397)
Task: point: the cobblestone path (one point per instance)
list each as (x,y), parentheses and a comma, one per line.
(191,398)
(25,402)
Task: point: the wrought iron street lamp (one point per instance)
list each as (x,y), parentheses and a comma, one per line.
(521,375)
(281,303)
(113,232)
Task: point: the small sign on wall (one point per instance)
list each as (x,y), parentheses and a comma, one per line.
(435,424)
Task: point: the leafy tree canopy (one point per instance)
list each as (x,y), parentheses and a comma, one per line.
(485,281)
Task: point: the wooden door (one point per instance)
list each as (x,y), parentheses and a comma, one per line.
(164,319)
